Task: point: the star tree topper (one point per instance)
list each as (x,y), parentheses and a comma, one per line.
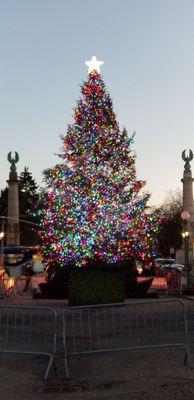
(94,64)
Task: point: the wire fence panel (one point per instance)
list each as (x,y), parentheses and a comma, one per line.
(160,284)
(169,284)
(11,286)
(118,327)
(175,283)
(28,330)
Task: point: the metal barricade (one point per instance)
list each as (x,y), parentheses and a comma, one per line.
(6,285)
(11,286)
(117,327)
(28,330)
(175,283)
(169,284)
(160,284)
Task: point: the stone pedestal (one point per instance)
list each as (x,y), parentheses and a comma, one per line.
(13,235)
(12,231)
(188,205)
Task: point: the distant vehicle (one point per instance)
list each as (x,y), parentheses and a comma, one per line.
(160,263)
(17,257)
(169,269)
(172,268)
(164,261)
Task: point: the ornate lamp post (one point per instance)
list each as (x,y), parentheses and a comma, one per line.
(185,234)
(2,234)
(13,233)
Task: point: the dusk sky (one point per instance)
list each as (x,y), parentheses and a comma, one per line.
(148,51)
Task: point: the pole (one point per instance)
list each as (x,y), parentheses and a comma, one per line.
(2,243)
(187,266)
(185,234)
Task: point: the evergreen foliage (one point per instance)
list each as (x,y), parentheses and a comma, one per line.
(94,205)
(28,204)
(169,235)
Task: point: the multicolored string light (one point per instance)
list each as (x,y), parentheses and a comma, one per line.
(94,204)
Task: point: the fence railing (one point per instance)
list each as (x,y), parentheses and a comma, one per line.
(29,331)
(160,284)
(175,283)
(119,327)
(10,286)
(170,284)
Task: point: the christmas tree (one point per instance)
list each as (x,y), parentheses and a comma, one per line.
(94,205)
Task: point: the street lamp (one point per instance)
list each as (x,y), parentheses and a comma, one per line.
(185,235)
(2,234)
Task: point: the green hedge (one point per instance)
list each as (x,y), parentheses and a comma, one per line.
(96,285)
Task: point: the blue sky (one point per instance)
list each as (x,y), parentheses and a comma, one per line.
(148,52)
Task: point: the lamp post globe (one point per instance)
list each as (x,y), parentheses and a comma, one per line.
(185,215)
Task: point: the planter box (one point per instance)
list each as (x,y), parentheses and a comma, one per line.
(96,285)
(138,288)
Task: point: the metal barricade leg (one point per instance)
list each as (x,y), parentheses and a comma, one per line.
(188,358)
(51,361)
(66,368)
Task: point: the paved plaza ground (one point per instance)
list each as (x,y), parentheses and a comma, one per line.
(135,375)
(131,376)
